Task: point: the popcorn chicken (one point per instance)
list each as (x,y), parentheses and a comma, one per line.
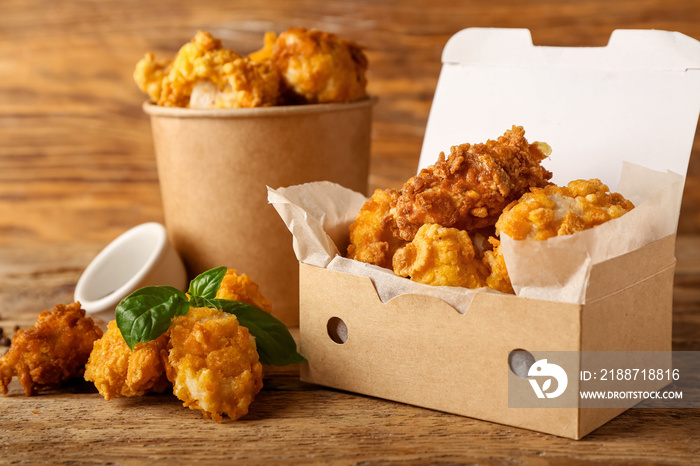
(469,189)
(441,256)
(555,211)
(372,238)
(317,66)
(242,288)
(206,75)
(213,363)
(118,371)
(53,351)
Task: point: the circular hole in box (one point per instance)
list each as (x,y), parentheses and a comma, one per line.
(520,362)
(337,330)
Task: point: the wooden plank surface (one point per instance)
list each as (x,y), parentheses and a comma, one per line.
(298,422)
(77,169)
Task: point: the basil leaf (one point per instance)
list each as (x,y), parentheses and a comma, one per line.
(274,342)
(145,314)
(206,284)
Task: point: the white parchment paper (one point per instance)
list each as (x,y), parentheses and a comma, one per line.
(318,215)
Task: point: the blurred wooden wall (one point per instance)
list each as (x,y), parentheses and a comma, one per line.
(76,157)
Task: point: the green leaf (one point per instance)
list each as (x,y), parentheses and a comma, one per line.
(274,342)
(145,314)
(198,301)
(207,283)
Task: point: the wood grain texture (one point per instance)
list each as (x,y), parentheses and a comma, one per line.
(77,169)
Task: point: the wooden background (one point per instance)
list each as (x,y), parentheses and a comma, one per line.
(77,169)
(76,157)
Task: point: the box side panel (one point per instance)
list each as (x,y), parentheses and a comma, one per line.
(638,318)
(419,350)
(623,271)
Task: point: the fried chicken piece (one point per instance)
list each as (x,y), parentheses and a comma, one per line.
(149,75)
(318,67)
(53,351)
(498,278)
(372,238)
(242,288)
(266,52)
(470,188)
(442,257)
(552,211)
(118,371)
(556,211)
(213,363)
(206,75)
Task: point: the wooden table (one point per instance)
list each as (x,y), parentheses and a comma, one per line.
(77,169)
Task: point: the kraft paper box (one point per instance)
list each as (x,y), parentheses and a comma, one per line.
(625,113)
(213,166)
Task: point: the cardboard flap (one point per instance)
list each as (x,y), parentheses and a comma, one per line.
(627,49)
(636,99)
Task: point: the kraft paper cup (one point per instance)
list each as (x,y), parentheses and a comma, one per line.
(214,167)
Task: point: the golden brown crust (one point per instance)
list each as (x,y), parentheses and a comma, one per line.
(556,211)
(53,351)
(213,363)
(372,237)
(118,371)
(469,189)
(498,278)
(206,75)
(242,288)
(319,67)
(442,257)
(307,66)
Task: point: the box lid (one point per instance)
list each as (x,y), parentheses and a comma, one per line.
(636,99)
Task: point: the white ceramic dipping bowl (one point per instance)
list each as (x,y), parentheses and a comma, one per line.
(139,257)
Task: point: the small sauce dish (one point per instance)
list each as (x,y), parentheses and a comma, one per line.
(142,256)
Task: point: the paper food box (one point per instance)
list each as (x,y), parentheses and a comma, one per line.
(626,114)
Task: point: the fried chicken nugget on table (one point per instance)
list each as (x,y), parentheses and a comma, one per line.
(53,351)
(118,371)
(470,188)
(442,257)
(240,287)
(213,363)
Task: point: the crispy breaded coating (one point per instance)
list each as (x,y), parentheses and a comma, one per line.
(213,363)
(442,257)
(149,75)
(242,288)
(317,66)
(118,371)
(53,351)
(469,189)
(266,52)
(498,278)
(372,238)
(552,211)
(206,75)
(556,211)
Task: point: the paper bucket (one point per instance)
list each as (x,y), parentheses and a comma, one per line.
(214,166)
